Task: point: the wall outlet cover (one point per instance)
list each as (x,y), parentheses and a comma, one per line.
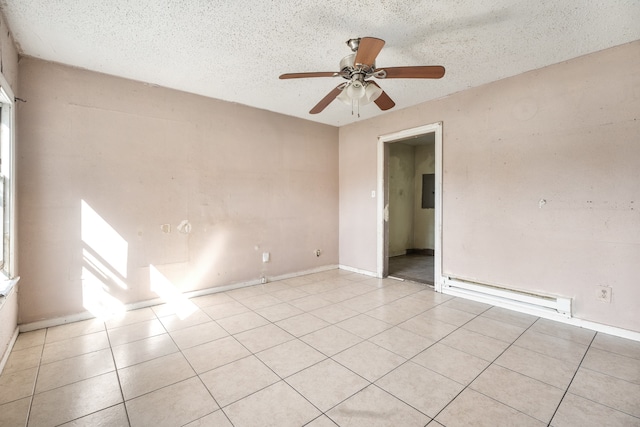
(603,293)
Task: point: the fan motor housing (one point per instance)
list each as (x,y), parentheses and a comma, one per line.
(348,68)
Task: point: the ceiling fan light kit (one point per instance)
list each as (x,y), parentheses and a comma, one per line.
(363,92)
(360,66)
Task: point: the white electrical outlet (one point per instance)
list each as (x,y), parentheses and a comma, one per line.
(266,256)
(603,293)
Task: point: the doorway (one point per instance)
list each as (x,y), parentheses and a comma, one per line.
(409,209)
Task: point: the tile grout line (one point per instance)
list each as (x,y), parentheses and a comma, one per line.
(370,383)
(253,354)
(434,343)
(158,357)
(407,360)
(180,350)
(601,403)
(73,382)
(156,316)
(589,347)
(145,361)
(487,367)
(572,378)
(284,379)
(268,367)
(197,375)
(35,383)
(115,367)
(340,402)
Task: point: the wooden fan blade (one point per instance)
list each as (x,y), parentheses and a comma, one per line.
(418,72)
(305,75)
(327,99)
(368,50)
(383,101)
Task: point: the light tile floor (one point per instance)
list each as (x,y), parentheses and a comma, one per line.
(333,348)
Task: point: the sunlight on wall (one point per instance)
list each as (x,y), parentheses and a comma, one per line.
(96,299)
(104,264)
(207,261)
(98,235)
(166,290)
(103,270)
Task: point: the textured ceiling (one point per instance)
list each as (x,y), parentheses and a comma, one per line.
(235,51)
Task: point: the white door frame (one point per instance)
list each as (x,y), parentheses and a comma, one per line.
(383,198)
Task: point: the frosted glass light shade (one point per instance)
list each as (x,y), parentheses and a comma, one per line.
(344,97)
(357,91)
(372,92)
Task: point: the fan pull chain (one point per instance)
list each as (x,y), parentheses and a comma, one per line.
(357,102)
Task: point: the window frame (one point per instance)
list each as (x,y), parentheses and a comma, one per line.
(8,171)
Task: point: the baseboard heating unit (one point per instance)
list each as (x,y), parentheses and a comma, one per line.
(527,302)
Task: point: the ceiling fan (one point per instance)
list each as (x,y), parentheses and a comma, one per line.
(360,66)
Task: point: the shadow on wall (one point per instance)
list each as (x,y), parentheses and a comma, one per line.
(104,270)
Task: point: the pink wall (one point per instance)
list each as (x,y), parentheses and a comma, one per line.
(569,134)
(248,181)
(251,181)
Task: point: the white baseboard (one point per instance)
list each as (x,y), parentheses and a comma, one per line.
(303,273)
(522,308)
(86,315)
(599,327)
(7,352)
(357,270)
